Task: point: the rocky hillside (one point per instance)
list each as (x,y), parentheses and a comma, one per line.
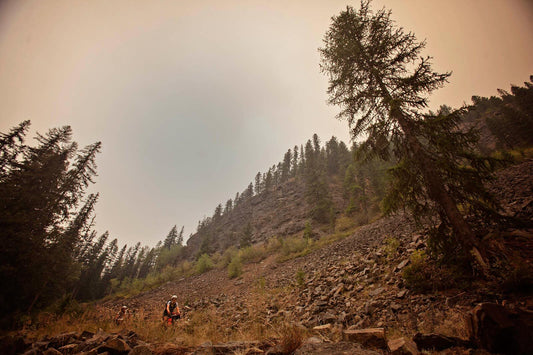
(347,297)
(283,211)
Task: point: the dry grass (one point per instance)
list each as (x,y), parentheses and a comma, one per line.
(291,338)
(200,326)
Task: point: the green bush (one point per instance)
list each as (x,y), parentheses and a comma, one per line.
(344,224)
(185,267)
(253,254)
(308,231)
(391,247)
(274,244)
(300,278)
(294,245)
(169,256)
(227,257)
(204,264)
(235,267)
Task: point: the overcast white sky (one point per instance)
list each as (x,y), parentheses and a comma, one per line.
(192,99)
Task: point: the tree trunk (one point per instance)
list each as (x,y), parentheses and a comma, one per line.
(437,192)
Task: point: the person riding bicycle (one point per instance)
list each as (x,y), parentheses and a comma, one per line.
(172,311)
(122,315)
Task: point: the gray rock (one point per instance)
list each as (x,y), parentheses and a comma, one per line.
(377,291)
(401,294)
(401,265)
(499,329)
(69,349)
(116,346)
(402,346)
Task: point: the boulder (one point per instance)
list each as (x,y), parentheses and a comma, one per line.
(63,339)
(401,294)
(115,346)
(69,349)
(402,346)
(371,337)
(323,327)
(501,330)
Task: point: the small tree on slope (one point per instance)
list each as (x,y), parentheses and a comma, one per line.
(381,83)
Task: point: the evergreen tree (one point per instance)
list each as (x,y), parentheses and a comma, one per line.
(258,185)
(294,169)
(218,212)
(179,241)
(302,159)
(116,269)
(229,206)
(249,192)
(269,180)
(148,263)
(171,238)
(276,174)
(129,263)
(42,230)
(375,70)
(92,268)
(246,236)
(332,156)
(317,191)
(286,166)
(11,147)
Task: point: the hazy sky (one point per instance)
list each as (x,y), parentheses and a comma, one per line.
(192,98)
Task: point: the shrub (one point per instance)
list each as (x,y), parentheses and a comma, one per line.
(424,274)
(274,244)
(392,247)
(204,264)
(235,267)
(300,278)
(227,257)
(253,254)
(185,267)
(169,256)
(291,339)
(294,245)
(261,283)
(308,231)
(344,224)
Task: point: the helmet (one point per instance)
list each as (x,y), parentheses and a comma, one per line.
(174,297)
(124,307)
